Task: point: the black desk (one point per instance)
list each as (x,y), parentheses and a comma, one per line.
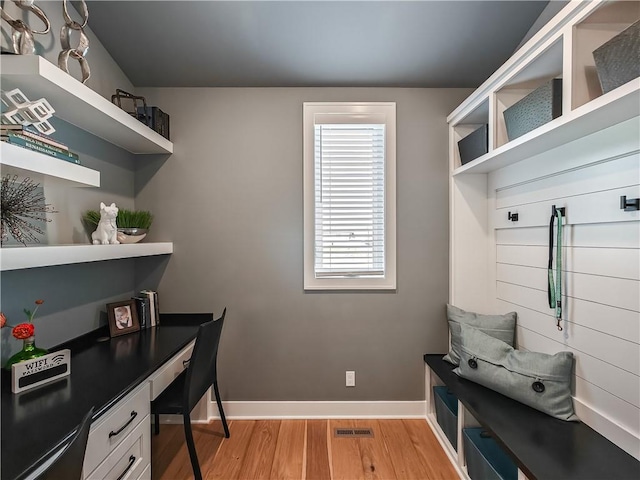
(35,423)
(542,446)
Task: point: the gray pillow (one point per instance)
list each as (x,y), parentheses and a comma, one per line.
(501,327)
(536,379)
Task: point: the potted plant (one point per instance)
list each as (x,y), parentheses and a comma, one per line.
(133,225)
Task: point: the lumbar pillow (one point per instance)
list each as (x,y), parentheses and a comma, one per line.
(498,326)
(536,379)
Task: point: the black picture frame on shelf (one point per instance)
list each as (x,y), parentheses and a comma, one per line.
(123,318)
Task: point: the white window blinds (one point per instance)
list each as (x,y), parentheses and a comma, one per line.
(349,171)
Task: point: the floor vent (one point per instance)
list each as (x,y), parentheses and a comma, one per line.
(353,432)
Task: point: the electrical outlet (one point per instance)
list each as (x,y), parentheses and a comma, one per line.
(351,378)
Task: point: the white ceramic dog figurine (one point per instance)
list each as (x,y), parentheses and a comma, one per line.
(107,230)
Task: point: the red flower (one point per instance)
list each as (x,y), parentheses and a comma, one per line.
(23,331)
(3,320)
(39,302)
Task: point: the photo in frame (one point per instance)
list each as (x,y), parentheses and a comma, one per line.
(123,318)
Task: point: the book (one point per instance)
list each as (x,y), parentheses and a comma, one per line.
(153,306)
(36,148)
(33,135)
(144,313)
(27,138)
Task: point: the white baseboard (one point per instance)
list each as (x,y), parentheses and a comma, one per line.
(616,433)
(315,410)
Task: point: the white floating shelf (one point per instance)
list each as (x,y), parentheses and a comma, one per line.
(44,168)
(79,105)
(20,257)
(615,107)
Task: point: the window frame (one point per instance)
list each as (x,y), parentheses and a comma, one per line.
(350,111)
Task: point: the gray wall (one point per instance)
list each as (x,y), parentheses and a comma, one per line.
(230,198)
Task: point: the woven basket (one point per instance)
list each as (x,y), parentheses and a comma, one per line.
(618,60)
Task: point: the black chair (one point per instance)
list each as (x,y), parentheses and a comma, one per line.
(188,388)
(68,465)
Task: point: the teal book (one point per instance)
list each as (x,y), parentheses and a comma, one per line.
(40,149)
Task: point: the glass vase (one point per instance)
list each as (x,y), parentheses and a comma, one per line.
(29,351)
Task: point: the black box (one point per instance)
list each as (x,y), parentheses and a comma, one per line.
(474,145)
(618,60)
(155,119)
(447,413)
(539,107)
(485,459)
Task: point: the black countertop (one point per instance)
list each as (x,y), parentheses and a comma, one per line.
(542,446)
(36,422)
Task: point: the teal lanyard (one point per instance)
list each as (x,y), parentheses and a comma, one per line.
(554,289)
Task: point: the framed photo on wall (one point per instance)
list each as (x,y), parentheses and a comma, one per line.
(123,318)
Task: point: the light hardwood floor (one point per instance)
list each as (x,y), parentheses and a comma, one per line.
(303,449)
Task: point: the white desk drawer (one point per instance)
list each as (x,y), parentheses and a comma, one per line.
(163,377)
(146,475)
(121,419)
(130,459)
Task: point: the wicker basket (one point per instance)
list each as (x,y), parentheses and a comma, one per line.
(618,60)
(539,107)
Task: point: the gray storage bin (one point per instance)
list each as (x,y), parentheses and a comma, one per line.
(474,145)
(447,413)
(618,60)
(539,107)
(485,459)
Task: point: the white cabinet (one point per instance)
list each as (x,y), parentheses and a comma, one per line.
(121,433)
(585,160)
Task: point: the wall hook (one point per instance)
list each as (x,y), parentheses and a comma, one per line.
(512,216)
(555,209)
(629,205)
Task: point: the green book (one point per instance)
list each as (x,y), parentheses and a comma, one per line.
(36,148)
(43,144)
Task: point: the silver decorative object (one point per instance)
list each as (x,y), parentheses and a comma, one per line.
(80,51)
(22,34)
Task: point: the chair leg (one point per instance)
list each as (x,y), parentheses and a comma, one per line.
(156,424)
(191,446)
(219,402)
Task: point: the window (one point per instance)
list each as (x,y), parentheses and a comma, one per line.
(349,196)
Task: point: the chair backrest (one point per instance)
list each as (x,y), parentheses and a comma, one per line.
(68,465)
(202,366)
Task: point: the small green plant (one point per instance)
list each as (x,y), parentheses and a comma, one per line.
(126,218)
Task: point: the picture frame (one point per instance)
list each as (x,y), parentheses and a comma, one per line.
(123,318)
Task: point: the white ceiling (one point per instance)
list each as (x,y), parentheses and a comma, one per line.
(311,43)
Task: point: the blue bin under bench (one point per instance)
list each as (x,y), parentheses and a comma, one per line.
(542,447)
(446,404)
(485,459)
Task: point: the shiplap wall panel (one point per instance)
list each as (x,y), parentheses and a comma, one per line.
(618,409)
(611,262)
(599,235)
(617,351)
(621,172)
(612,291)
(601,263)
(601,373)
(598,207)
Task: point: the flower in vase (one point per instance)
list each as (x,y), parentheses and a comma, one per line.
(22,331)
(25,330)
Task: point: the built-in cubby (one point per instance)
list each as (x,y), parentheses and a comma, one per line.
(592,129)
(546,66)
(562,50)
(597,28)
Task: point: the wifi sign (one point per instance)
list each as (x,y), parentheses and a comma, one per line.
(40,371)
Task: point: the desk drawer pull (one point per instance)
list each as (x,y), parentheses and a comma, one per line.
(134,414)
(132,460)
(185,363)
